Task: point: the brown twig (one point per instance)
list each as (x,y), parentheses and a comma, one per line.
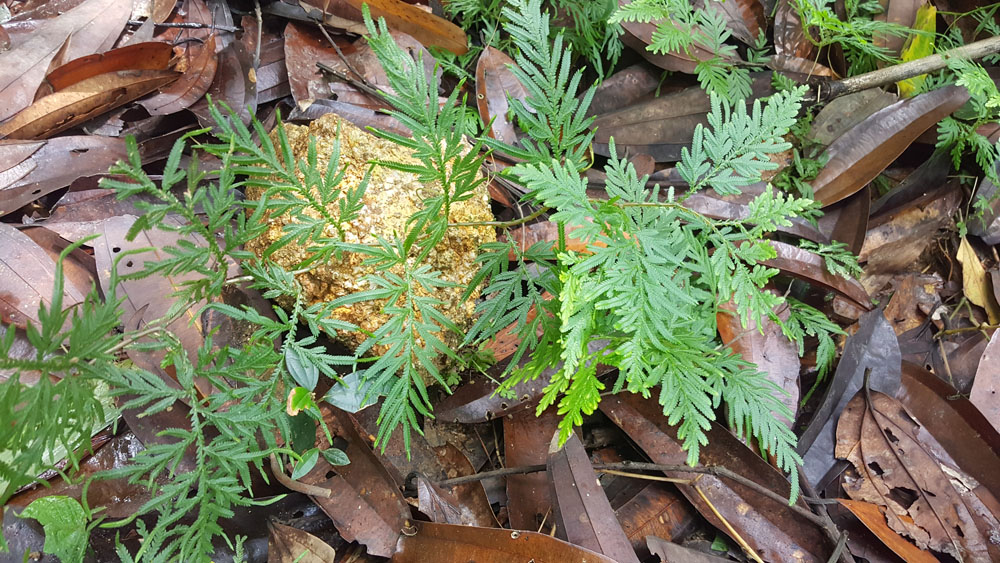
(903,71)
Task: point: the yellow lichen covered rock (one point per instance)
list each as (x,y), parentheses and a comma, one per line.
(390,199)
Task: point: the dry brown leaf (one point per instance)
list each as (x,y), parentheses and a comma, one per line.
(81,101)
(986,387)
(27,279)
(425,27)
(494,83)
(976,282)
(286,544)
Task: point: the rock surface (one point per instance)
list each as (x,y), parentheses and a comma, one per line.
(390,199)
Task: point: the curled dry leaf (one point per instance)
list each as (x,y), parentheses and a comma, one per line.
(860,154)
(286,544)
(583,514)
(27,279)
(191,86)
(924,497)
(767,526)
(83,100)
(23,68)
(434,543)
(494,84)
(152,55)
(810,267)
(957,425)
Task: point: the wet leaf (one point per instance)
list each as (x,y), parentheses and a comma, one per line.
(986,387)
(191,86)
(286,544)
(873,349)
(433,543)
(583,513)
(769,527)
(860,154)
(897,471)
(874,519)
(494,84)
(23,68)
(82,101)
(976,282)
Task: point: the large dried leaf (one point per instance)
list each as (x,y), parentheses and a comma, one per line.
(744,18)
(925,498)
(843,113)
(768,526)
(874,519)
(494,83)
(874,350)
(847,220)
(27,279)
(624,88)
(526,442)
(82,101)
(672,553)
(434,543)
(638,35)
(286,544)
(23,68)
(152,55)
(986,387)
(303,48)
(767,348)
(789,37)
(365,504)
(656,510)
(860,154)
(583,513)
(191,86)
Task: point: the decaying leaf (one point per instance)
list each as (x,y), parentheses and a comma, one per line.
(494,83)
(153,55)
(190,86)
(874,519)
(925,498)
(986,387)
(286,544)
(526,441)
(27,279)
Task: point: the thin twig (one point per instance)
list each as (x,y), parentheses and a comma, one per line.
(903,71)
(363,86)
(191,25)
(347,63)
(260,31)
(645,477)
(297,486)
